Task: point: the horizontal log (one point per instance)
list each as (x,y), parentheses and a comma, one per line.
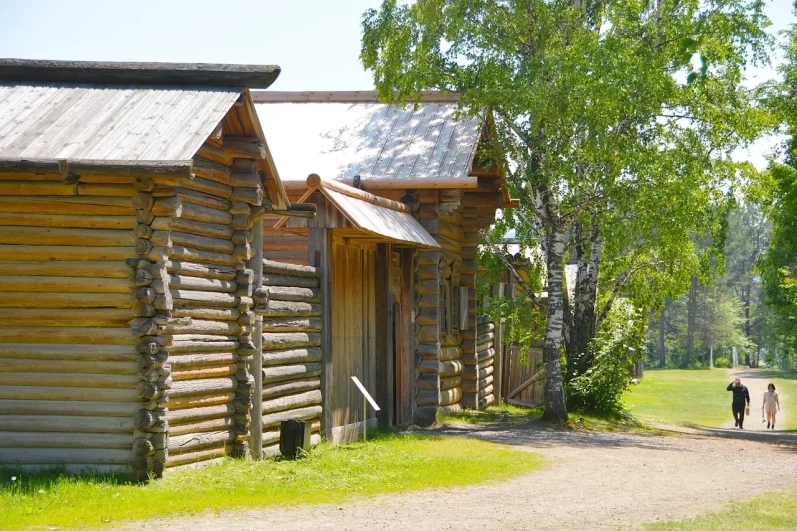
(285,341)
(427,334)
(243,147)
(214,153)
(50,188)
(65,456)
(60,351)
(470,386)
(450,368)
(279,268)
(64,300)
(284,280)
(198,346)
(485,391)
(212,425)
(74,206)
(212,230)
(64,252)
(97,380)
(25,365)
(68,221)
(208,169)
(285,357)
(66,269)
(250,196)
(277,389)
(202,242)
(479,357)
(195,441)
(305,413)
(60,409)
(201,456)
(182,297)
(471,373)
(450,382)
(181,403)
(59,317)
(104,336)
(288,309)
(197,373)
(62,284)
(290,372)
(167,207)
(204,214)
(201,199)
(427,381)
(450,396)
(206,186)
(427,397)
(196,360)
(284,403)
(450,353)
(189,416)
(66,440)
(179,252)
(212,314)
(66,236)
(426,317)
(202,284)
(72,394)
(297,324)
(287,293)
(220,272)
(213,386)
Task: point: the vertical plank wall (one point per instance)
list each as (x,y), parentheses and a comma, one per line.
(353,333)
(68,364)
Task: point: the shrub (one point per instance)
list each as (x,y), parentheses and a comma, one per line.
(696,364)
(600,389)
(722,363)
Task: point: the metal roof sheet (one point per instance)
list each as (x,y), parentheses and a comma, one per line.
(392,224)
(95,122)
(384,144)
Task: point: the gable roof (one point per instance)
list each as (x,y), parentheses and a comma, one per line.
(373,215)
(114,115)
(340,135)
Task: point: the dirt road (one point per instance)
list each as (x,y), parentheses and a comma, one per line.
(594,480)
(757,386)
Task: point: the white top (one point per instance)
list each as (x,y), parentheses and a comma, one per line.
(770,399)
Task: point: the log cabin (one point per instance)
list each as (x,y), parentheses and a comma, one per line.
(401,194)
(130,195)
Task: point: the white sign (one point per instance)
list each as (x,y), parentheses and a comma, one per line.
(365,393)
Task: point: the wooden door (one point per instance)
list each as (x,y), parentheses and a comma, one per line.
(353,332)
(403,332)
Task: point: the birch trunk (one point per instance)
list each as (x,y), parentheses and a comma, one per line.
(555,409)
(586,296)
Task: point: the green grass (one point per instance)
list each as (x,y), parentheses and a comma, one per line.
(681,397)
(388,463)
(764,513)
(698,397)
(516,414)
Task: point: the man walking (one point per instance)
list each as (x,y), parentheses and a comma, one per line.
(740,395)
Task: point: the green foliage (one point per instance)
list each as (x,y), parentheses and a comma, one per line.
(614,348)
(722,363)
(388,463)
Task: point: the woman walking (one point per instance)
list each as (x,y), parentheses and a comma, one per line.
(771,405)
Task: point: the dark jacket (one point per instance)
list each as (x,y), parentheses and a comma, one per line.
(740,394)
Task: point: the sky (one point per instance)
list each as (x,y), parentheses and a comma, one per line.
(315,42)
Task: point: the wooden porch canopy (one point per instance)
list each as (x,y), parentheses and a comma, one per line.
(371,217)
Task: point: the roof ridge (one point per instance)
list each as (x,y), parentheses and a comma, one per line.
(346,96)
(134,73)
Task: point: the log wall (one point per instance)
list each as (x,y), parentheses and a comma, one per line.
(204,283)
(290,302)
(68,361)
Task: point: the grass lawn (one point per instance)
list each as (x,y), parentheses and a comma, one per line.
(770,511)
(388,463)
(698,397)
(681,397)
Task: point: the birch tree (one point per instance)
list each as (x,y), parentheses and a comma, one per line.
(593,101)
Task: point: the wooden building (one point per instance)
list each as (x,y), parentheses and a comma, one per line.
(401,309)
(129,198)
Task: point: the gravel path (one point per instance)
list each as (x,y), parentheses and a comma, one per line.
(594,480)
